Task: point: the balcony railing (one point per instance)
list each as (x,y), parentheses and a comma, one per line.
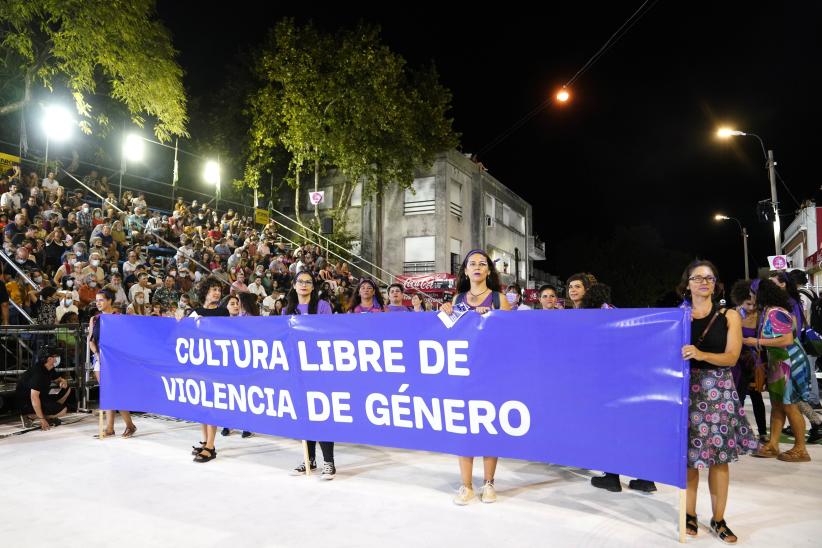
(418,267)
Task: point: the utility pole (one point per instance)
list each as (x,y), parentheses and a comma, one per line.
(777,236)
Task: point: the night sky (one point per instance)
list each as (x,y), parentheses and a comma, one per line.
(636,144)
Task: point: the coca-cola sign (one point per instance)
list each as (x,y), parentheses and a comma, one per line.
(427,282)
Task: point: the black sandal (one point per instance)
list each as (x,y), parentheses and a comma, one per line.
(200,457)
(723,531)
(691,525)
(195,449)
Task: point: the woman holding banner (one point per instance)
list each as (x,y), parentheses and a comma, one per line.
(303,299)
(210,293)
(367,298)
(478,289)
(718,431)
(105,304)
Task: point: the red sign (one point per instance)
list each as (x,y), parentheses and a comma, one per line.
(429,283)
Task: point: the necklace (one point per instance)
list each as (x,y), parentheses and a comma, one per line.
(479,294)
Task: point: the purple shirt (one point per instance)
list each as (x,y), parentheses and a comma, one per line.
(374,308)
(322,307)
(396,308)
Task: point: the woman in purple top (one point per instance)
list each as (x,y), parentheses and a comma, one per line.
(395,299)
(478,289)
(366,298)
(303,299)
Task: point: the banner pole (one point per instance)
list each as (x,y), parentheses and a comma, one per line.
(682,515)
(305,459)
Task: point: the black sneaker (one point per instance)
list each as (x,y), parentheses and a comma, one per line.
(642,485)
(329,471)
(787,431)
(225,431)
(609,482)
(814,435)
(246,434)
(300,470)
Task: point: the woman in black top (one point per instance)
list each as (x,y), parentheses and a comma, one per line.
(718,431)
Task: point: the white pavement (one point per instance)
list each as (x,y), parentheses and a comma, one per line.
(65,488)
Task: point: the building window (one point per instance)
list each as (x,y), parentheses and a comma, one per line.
(489,205)
(356,195)
(420,199)
(420,254)
(455,199)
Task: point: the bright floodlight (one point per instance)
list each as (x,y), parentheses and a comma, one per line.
(57,123)
(563,95)
(134,148)
(212,172)
(725,132)
(721,218)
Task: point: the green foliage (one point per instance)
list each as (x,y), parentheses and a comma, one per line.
(348,101)
(114,48)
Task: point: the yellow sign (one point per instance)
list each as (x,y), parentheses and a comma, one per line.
(7,160)
(261,216)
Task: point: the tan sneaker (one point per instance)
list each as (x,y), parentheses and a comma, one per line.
(488,493)
(464,496)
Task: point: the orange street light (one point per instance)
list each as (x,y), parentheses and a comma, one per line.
(563,95)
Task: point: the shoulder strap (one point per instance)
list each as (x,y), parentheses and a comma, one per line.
(707,328)
(809,293)
(495,300)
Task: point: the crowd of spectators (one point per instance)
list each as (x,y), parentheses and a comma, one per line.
(71,243)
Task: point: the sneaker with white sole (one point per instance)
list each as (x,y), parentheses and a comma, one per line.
(329,471)
(464,496)
(488,493)
(300,470)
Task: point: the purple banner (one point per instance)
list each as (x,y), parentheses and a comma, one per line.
(598,389)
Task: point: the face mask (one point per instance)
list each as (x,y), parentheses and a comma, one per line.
(173,273)
(67,302)
(56,361)
(92,284)
(38,279)
(69,283)
(114,270)
(181,304)
(72,262)
(512,297)
(95,263)
(85,210)
(19,261)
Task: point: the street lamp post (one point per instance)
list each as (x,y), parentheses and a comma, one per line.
(744,240)
(725,133)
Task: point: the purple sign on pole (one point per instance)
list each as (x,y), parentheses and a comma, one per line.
(597,389)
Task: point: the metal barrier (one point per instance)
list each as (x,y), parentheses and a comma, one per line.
(19,350)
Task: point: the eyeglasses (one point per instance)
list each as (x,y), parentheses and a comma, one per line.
(304,282)
(481,264)
(700,279)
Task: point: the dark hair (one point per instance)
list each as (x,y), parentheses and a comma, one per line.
(547,286)
(423,301)
(356,300)
(769,294)
(248,302)
(741,292)
(107,293)
(400,286)
(790,285)
(597,295)
(293,300)
(682,288)
(205,287)
(47,292)
(464,284)
(798,277)
(583,277)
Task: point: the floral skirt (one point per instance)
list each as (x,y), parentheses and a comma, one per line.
(718,431)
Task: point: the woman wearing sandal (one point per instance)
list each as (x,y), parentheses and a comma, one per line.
(718,431)
(478,289)
(210,293)
(789,372)
(105,304)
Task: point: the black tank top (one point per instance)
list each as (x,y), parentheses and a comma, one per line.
(715,339)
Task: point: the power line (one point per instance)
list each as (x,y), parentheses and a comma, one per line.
(612,40)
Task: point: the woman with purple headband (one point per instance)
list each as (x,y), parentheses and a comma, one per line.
(478,289)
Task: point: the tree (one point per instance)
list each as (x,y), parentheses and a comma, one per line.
(93,48)
(346,101)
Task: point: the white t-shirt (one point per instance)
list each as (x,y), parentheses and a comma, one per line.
(256,289)
(137,288)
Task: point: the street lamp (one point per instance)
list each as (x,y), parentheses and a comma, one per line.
(744,239)
(211,174)
(563,95)
(726,133)
(57,123)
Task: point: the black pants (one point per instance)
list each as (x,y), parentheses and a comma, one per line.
(327,449)
(758,408)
